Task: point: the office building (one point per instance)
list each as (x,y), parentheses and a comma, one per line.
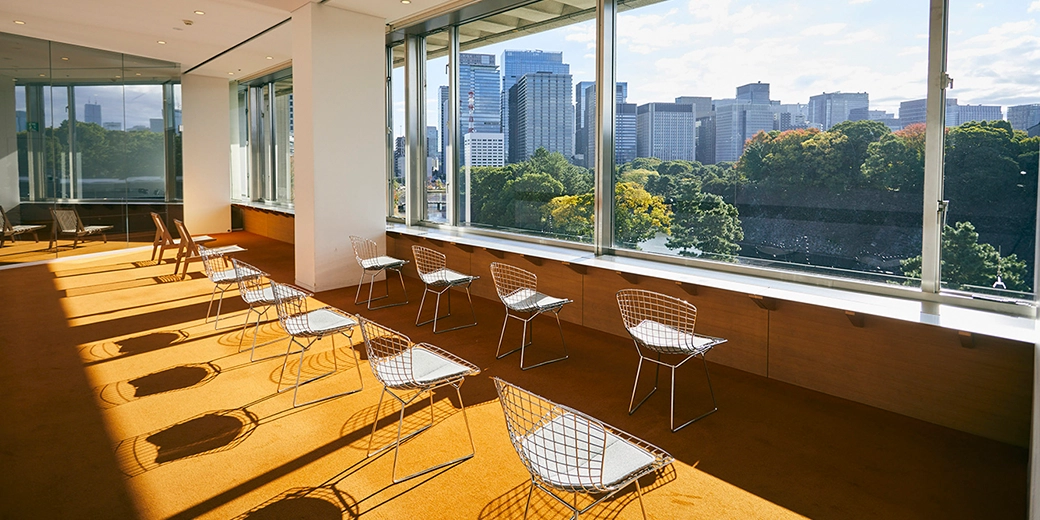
(915,111)
(480,96)
(790,116)
(483,149)
(541,115)
(1024,117)
(966,113)
(92,113)
(624,126)
(517,63)
(755,93)
(830,108)
(667,131)
(19,119)
(702,104)
(581,133)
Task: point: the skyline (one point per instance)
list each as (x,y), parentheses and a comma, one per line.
(130,105)
(707,48)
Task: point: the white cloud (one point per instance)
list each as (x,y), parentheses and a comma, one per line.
(827,29)
(646,34)
(909,51)
(1034,7)
(854,2)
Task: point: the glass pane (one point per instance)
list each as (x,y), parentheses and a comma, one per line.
(283,140)
(766,143)
(436,140)
(523,142)
(397,160)
(991,162)
(240,145)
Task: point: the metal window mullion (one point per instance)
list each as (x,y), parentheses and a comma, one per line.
(606,95)
(451,155)
(415,130)
(935,124)
(389,105)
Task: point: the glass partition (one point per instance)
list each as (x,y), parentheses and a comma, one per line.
(94,132)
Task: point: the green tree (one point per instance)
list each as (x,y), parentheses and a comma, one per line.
(526,198)
(893,163)
(967,262)
(640,163)
(575,179)
(703,222)
(639,216)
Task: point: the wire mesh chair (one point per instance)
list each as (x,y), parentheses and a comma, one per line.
(518,290)
(663,324)
(223,278)
(567,451)
(255,288)
(299,322)
(11,230)
(432,268)
(372,263)
(67,222)
(417,368)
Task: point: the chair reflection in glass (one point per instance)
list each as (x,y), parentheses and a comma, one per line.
(11,230)
(67,222)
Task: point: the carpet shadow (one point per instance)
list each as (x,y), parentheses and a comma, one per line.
(209,432)
(181,377)
(320,503)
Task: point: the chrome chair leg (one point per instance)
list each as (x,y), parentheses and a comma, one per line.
(635,385)
(299,371)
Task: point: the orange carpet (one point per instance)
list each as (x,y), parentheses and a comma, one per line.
(117,401)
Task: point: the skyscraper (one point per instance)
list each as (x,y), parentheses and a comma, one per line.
(515,64)
(92,113)
(702,104)
(480,100)
(667,131)
(581,132)
(624,126)
(21,120)
(831,108)
(442,96)
(736,121)
(967,113)
(757,93)
(1024,117)
(541,115)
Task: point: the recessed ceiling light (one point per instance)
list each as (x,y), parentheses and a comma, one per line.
(161,42)
(200,12)
(64,58)
(19,22)
(230,73)
(406,1)
(137,74)
(42,75)
(270,57)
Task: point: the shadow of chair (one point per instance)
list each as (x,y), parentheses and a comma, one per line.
(11,230)
(67,222)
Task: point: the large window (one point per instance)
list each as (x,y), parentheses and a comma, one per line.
(395,132)
(747,135)
(521,124)
(992,143)
(434,139)
(264,130)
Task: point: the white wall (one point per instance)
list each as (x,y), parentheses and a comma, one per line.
(338,82)
(8,147)
(205,151)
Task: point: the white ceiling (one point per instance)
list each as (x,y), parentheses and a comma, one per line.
(135,26)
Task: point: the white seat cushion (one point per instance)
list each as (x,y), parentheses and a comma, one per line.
(225,276)
(662,337)
(445,277)
(426,368)
(264,296)
(381,262)
(319,322)
(525,300)
(567,451)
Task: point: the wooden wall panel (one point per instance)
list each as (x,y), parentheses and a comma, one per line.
(918,370)
(719,313)
(913,369)
(278,226)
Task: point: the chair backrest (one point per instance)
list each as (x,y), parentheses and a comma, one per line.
(389,353)
(638,305)
(364,249)
(291,303)
(191,247)
(509,279)
(68,220)
(161,231)
(212,262)
(251,281)
(560,447)
(428,260)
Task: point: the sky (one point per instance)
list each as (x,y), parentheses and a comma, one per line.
(800,47)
